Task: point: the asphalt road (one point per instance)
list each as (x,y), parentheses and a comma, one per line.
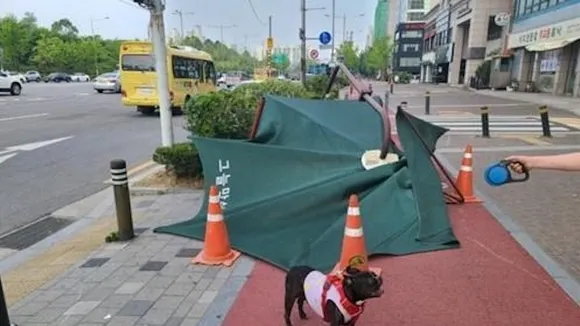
(81,130)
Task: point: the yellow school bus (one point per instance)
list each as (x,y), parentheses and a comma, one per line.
(190,72)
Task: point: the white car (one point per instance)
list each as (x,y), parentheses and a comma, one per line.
(17,75)
(108,82)
(80,77)
(11,84)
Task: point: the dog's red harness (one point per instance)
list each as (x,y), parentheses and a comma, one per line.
(353,310)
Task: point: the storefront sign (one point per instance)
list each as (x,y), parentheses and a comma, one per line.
(558,32)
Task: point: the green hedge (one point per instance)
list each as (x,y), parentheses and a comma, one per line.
(230,115)
(181,159)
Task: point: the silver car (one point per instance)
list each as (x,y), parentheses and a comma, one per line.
(109,82)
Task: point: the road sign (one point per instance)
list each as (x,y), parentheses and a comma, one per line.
(314,54)
(270,43)
(279,58)
(502,19)
(325,46)
(325,37)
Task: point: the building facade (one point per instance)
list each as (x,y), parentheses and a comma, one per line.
(412,10)
(381,19)
(475,36)
(437,45)
(392,18)
(408,47)
(545,42)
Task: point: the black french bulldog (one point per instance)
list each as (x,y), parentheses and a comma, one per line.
(326,295)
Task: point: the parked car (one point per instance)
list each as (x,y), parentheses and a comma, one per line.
(17,75)
(57,77)
(109,82)
(80,77)
(32,76)
(11,84)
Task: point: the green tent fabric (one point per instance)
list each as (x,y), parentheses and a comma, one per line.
(287,190)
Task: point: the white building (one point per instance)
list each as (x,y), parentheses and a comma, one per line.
(412,10)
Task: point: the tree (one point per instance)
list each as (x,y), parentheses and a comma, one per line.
(27,46)
(225,58)
(379,56)
(348,52)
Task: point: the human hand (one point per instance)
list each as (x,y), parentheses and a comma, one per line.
(519,164)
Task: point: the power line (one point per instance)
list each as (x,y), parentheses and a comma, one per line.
(256,13)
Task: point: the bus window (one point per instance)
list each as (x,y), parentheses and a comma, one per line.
(185,68)
(137,62)
(210,74)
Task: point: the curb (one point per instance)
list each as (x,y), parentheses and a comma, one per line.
(567,283)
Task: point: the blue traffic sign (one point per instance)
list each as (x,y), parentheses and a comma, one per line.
(325,37)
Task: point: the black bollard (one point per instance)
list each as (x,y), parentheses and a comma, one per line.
(120,182)
(545,121)
(4,318)
(392,87)
(427,103)
(485,122)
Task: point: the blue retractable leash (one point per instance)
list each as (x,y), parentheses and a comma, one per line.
(499,174)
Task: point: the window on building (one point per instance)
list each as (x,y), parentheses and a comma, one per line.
(416,4)
(415,16)
(410,47)
(523,8)
(409,62)
(493,31)
(411,34)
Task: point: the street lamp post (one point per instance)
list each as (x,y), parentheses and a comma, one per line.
(95,42)
(344,17)
(181,13)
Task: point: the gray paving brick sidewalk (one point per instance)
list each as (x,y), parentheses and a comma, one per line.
(147,281)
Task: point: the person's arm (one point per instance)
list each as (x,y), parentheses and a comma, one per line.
(562,162)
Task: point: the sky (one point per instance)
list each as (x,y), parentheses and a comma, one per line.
(128,21)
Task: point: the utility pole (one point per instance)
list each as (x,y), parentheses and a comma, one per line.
(303,38)
(270,51)
(156,8)
(180,14)
(333,30)
(95,43)
(221,28)
(344,28)
(303,44)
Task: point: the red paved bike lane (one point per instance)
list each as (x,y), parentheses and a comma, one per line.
(491,280)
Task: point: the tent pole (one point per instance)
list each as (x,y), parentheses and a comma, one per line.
(257,118)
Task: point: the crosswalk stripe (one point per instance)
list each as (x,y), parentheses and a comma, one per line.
(506,124)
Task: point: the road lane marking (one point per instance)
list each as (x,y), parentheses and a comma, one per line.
(10,152)
(37,145)
(6,157)
(29,116)
(445,106)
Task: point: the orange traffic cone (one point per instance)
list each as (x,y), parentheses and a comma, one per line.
(465,177)
(354,252)
(216,248)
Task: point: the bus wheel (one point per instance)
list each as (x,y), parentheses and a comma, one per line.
(146,110)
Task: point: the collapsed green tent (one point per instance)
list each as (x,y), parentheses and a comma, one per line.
(287,190)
